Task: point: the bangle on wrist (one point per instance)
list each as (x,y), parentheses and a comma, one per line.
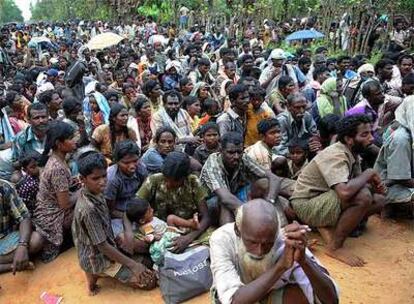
(23,243)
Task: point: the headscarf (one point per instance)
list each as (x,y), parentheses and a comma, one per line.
(366,68)
(103,107)
(325,102)
(174,64)
(197,87)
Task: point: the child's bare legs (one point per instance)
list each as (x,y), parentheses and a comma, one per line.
(176,221)
(92,285)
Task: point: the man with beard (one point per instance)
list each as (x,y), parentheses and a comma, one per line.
(229,176)
(253,260)
(296,124)
(333,195)
(171,115)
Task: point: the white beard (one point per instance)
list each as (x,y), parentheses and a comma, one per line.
(253,267)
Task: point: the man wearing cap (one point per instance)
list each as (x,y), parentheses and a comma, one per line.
(276,67)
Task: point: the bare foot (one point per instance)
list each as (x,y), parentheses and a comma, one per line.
(345,256)
(326,234)
(30,266)
(93,290)
(196,223)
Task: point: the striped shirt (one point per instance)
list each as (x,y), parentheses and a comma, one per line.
(92,226)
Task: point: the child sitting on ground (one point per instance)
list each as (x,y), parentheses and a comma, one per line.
(153,230)
(28,187)
(212,109)
(210,135)
(92,233)
(297,158)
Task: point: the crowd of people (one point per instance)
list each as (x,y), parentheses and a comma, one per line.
(176,137)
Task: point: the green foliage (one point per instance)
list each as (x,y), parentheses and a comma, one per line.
(66,9)
(9,12)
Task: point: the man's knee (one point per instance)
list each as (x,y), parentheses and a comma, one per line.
(36,243)
(226,216)
(294,294)
(363,198)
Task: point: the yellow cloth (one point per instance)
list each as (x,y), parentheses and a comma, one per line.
(253,118)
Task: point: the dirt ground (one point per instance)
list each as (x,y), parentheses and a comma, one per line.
(387,246)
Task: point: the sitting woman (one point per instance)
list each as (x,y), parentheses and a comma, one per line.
(176,191)
(106,136)
(193,107)
(143,116)
(56,198)
(202,91)
(186,86)
(164,141)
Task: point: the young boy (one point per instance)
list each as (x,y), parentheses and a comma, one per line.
(297,158)
(210,135)
(92,232)
(28,187)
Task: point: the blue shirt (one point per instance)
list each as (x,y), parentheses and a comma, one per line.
(122,188)
(153,160)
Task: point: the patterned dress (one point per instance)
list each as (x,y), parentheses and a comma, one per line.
(49,218)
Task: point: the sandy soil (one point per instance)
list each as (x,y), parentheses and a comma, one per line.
(387,246)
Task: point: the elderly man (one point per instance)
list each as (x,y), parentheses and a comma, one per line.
(296,124)
(333,194)
(253,261)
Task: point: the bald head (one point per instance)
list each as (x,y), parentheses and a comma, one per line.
(258,226)
(257,214)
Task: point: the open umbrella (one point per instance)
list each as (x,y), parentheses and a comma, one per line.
(104,40)
(304,34)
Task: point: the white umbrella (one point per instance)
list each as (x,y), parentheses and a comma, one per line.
(104,40)
(40,39)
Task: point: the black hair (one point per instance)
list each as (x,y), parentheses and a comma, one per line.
(368,86)
(70,105)
(236,90)
(136,209)
(243,59)
(38,106)
(57,131)
(189,100)
(304,60)
(408,79)
(284,81)
(223,51)
(246,43)
(348,126)
(109,94)
(298,143)
(405,56)
(234,138)
(209,126)
(204,61)
(382,63)
(343,58)
(140,101)
(124,148)
(115,110)
(327,125)
(90,161)
(319,71)
(266,124)
(184,81)
(172,93)
(257,93)
(29,156)
(176,165)
(163,130)
(320,49)
(248,78)
(126,86)
(46,96)
(148,86)
(209,103)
